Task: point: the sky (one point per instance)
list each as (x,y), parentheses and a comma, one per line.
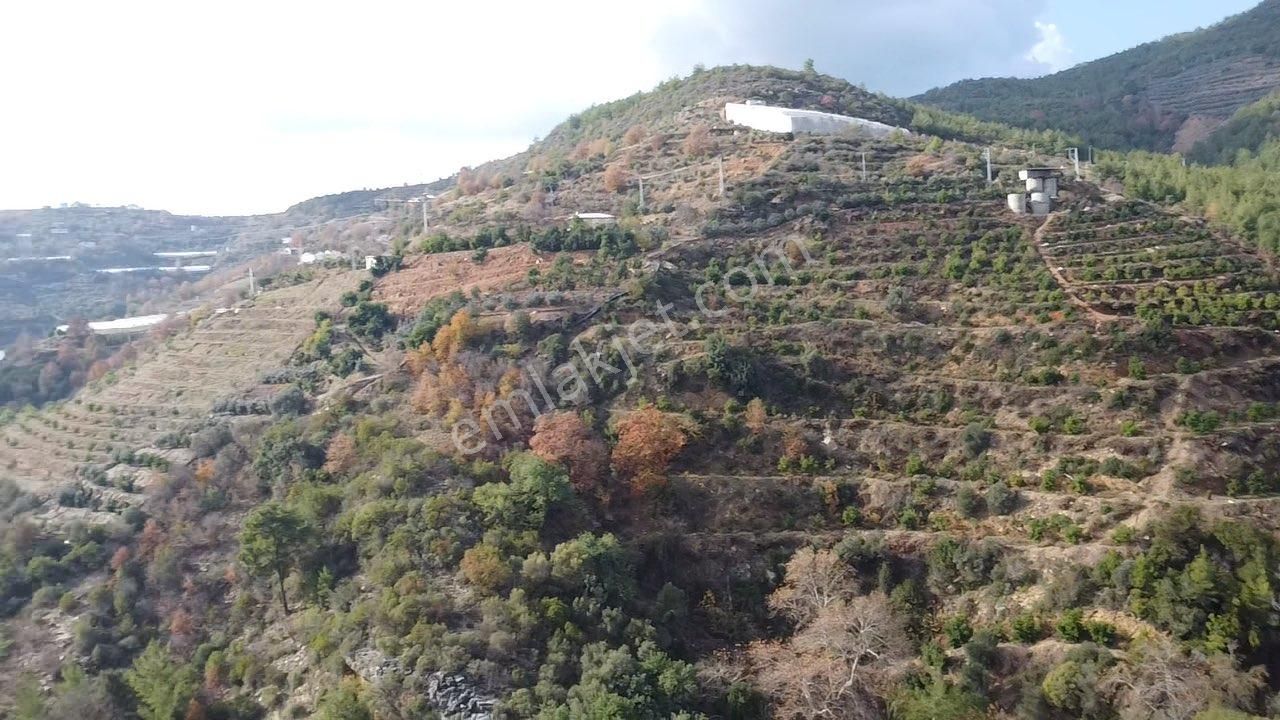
(240,107)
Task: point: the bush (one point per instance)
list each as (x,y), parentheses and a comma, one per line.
(1199,421)
(1070,626)
(1001,500)
(976,439)
(968,504)
(1026,628)
(958,630)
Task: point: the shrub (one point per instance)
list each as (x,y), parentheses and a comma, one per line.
(1001,500)
(1070,626)
(1200,421)
(967,502)
(958,630)
(976,439)
(1026,628)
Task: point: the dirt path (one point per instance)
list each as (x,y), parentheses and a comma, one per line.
(1097,316)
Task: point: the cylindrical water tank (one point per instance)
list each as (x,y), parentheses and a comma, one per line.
(1039,207)
(1039,197)
(1018,202)
(1035,184)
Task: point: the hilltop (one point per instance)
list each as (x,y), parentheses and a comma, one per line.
(845,437)
(1168,94)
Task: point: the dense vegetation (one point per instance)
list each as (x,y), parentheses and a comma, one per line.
(1244,195)
(1249,129)
(1139,98)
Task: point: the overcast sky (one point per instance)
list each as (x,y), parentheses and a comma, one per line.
(241,107)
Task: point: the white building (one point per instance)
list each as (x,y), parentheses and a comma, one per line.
(787,120)
(121,326)
(595,218)
(308,258)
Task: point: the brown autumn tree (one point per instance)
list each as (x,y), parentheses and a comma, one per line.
(756,417)
(794,445)
(634,135)
(599,147)
(339,454)
(562,437)
(698,142)
(615,178)
(205,472)
(648,440)
(195,711)
(484,567)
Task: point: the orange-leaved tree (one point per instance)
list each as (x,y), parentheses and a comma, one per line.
(562,437)
(648,440)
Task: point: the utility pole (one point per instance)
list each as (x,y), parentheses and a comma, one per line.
(986,155)
(864,167)
(641,193)
(253,291)
(1074,155)
(425,224)
(720,167)
(1090,154)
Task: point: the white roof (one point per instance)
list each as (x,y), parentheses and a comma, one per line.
(126,323)
(593,216)
(186,253)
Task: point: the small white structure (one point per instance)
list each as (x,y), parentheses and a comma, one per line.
(1043,180)
(370,262)
(184,269)
(1041,190)
(121,326)
(787,120)
(308,258)
(180,254)
(595,218)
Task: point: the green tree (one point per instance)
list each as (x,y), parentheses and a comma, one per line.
(272,537)
(343,703)
(162,686)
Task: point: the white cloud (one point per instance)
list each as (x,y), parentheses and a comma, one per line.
(248,106)
(1051,50)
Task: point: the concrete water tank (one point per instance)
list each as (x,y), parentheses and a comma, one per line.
(1040,208)
(1018,202)
(1035,184)
(1040,197)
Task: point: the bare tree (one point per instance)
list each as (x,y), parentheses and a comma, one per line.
(815,579)
(838,666)
(1158,680)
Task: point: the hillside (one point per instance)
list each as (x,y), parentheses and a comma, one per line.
(1163,95)
(840,440)
(1252,127)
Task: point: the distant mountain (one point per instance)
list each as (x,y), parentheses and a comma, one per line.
(1164,95)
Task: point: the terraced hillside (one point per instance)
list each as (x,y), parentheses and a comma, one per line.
(840,441)
(1163,95)
(1136,260)
(173,385)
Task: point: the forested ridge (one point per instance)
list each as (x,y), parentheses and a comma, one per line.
(1139,98)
